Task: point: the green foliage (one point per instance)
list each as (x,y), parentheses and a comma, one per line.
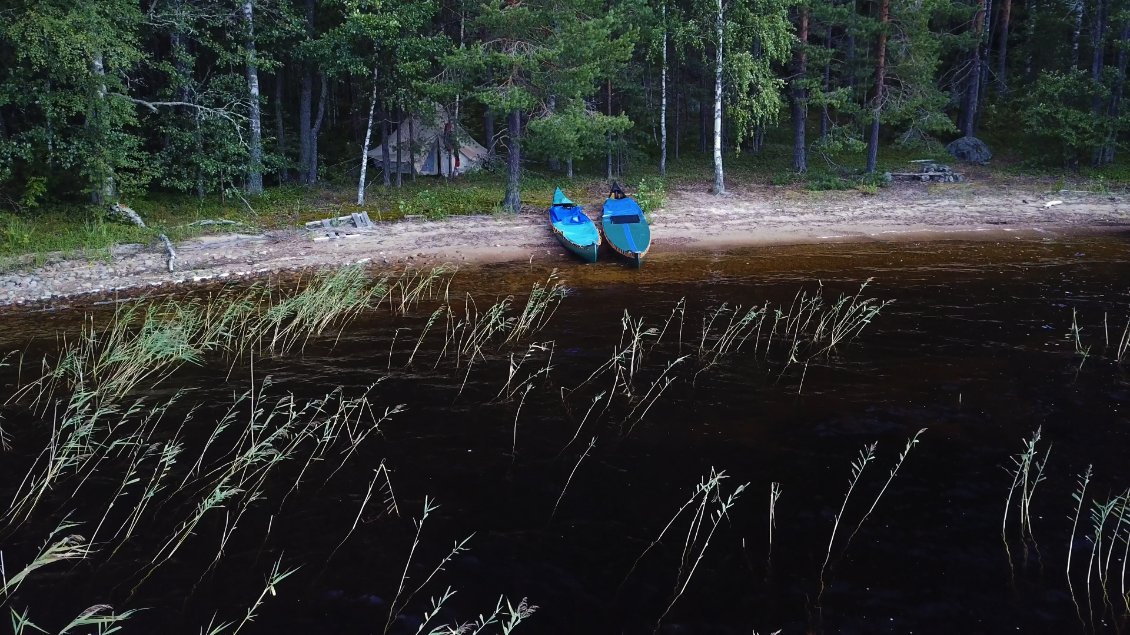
(1056,111)
(574,132)
(915,104)
(823,182)
(17,233)
(427,203)
(651,194)
(757,36)
(34,190)
(68,70)
(787,177)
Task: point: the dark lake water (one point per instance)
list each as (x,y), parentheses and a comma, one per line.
(596,520)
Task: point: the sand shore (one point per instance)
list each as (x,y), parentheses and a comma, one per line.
(692,220)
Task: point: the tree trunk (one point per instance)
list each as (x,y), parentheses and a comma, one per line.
(880,86)
(800,97)
(1116,93)
(412,144)
(386,157)
(569,168)
(719,26)
(104,192)
(608,140)
(1002,54)
(1078,28)
(399,121)
(620,156)
(323,95)
(554,161)
(663,101)
(368,137)
(680,111)
(1098,48)
(488,124)
(986,47)
(825,117)
(305,103)
(255,169)
(280,128)
(972,95)
(513,201)
(704,113)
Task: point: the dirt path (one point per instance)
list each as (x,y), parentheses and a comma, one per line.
(692,220)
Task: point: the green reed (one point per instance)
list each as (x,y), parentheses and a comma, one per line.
(1027,473)
(707,507)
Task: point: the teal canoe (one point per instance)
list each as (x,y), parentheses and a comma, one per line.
(573,227)
(625,227)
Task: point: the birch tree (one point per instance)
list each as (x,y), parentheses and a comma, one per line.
(255,166)
(753,95)
(719,43)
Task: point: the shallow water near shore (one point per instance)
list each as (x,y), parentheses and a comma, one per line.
(580,514)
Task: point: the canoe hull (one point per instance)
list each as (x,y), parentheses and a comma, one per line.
(573,228)
(630,240)
(588,253)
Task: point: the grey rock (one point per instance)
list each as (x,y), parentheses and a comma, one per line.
(970,150)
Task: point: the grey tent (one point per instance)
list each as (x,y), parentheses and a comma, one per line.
(439,143)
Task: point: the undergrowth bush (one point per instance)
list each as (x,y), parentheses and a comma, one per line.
(651,194)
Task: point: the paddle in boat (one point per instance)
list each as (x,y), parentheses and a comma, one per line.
(573,227)
(624,226)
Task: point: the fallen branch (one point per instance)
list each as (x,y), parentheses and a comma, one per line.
(209,222)
(127,213)
(172,252)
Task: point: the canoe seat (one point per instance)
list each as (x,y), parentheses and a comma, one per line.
(568,214)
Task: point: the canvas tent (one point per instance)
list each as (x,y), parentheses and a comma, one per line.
(442,146)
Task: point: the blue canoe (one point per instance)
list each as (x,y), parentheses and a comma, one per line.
(573,227)
(626,228)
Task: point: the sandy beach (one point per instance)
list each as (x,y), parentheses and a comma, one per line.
(692,220)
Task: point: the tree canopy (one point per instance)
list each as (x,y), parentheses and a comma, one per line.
(100,99)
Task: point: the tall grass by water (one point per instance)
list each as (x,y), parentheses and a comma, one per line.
(146,485)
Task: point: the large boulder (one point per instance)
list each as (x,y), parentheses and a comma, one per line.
(970,150)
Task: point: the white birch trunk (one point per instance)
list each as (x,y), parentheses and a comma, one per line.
(1077,9)
(255,169)
(663,102)
(719,182)
(105,193)
(365,146)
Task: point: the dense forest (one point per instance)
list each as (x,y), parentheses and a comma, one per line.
(101,99)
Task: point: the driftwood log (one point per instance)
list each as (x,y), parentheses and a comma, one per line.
(929,171)
(127,213)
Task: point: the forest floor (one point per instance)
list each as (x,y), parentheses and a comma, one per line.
(986,207)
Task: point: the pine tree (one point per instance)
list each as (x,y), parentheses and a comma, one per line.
(531,51)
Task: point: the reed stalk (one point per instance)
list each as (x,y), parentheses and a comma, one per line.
(273,580)
(1078,496)
(569,480)
(1028,472)
(774,495)
(866,455)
